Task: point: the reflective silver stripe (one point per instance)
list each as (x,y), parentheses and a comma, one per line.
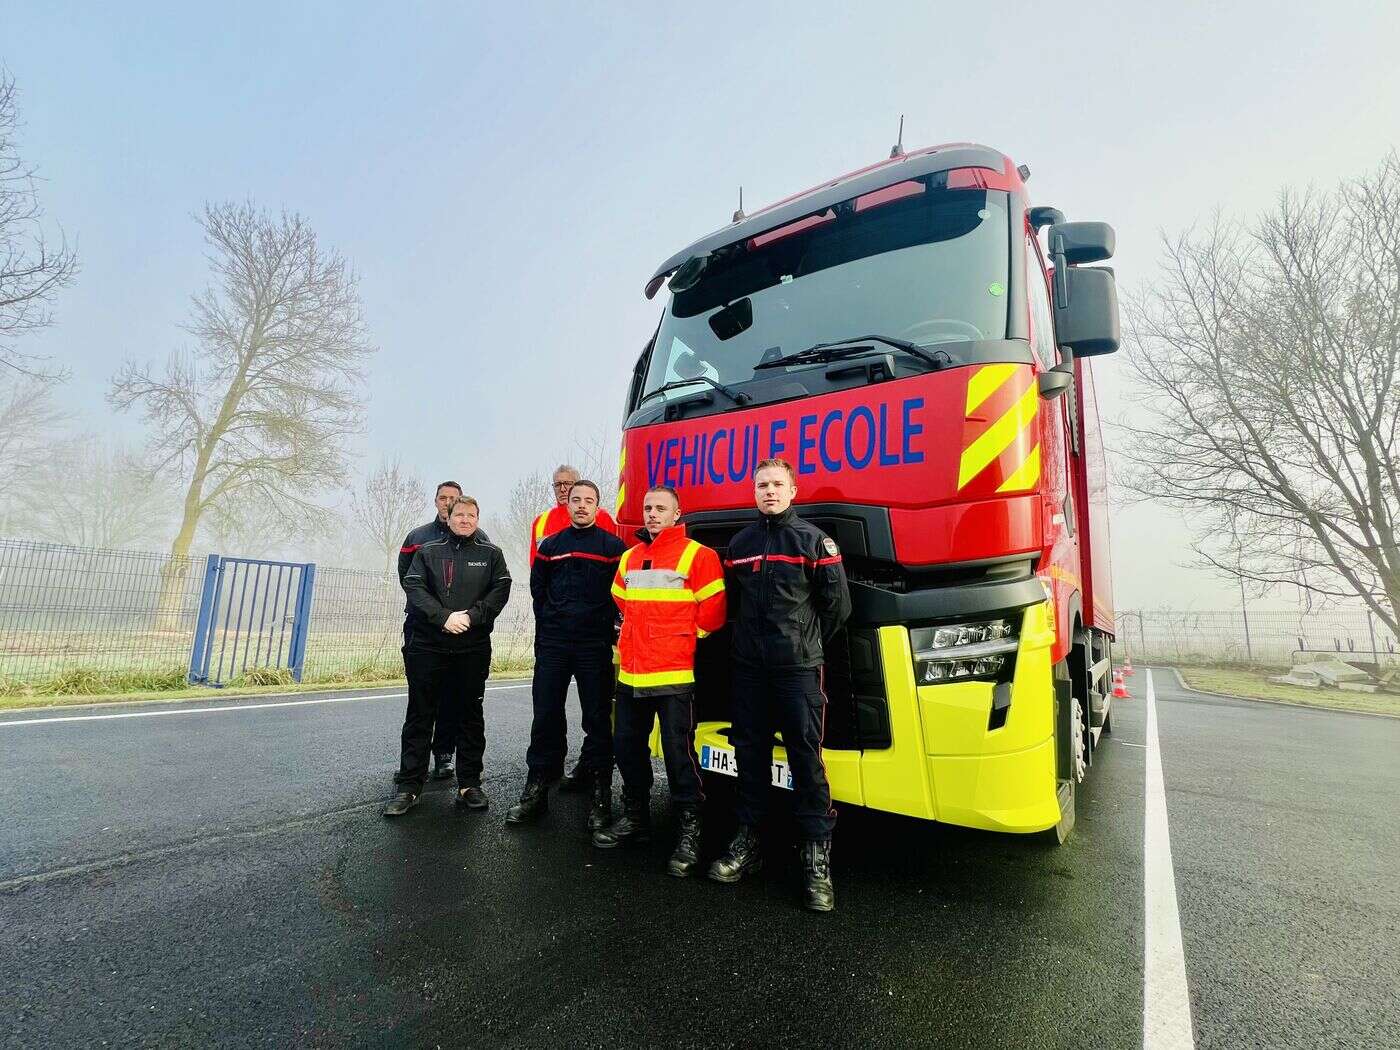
(655,579)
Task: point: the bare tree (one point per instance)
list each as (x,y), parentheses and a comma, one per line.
(29,436)
(32,267)
(597,453)
(1268,354)
(91,493)
(509,528)
(261,409)
(386,507)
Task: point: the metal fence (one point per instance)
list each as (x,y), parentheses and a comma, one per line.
(1264,638)
(79,619)
(71,610)
(76,619)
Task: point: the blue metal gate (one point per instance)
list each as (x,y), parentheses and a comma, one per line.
(252,614)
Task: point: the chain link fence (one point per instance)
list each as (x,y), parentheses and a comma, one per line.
(69,612)
(85,620)
(76,620)
(1264,639)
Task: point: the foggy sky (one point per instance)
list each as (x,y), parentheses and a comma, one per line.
(505,181)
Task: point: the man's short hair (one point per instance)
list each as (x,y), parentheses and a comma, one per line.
(775,462)
(585,483)
(447,485)
(463,501)
(663,488)
(564,468)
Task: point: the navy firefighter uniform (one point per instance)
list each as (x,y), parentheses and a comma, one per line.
(570,583)
(787,599)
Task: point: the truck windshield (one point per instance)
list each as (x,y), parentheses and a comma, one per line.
(926,266)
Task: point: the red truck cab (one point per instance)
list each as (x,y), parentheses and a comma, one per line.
(908,341)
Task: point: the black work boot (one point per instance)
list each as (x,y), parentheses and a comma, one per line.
(817,892)
(401,803)
(632,828)
(533,804)
(740,859)
(687,852)
(576,780)
(442,766)
(600,812)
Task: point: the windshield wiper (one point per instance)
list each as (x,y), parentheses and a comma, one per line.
(854,347)
(737,396)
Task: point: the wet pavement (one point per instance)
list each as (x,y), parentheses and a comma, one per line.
(219,874)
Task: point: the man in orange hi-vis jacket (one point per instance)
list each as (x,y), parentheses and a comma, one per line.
(671,592)
(557,519)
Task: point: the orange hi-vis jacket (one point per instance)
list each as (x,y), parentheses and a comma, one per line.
(557,519)
(671,592)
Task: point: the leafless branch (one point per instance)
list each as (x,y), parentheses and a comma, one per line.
(1269,353)
(33,266)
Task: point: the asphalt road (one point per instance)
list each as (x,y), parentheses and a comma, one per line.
(225,878)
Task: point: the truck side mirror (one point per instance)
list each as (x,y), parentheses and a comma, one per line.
(1088,323)
(1083,242)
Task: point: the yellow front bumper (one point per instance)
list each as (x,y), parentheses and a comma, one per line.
(944,763)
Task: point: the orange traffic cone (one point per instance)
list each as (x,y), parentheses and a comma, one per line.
(1128,671)
(1120,687)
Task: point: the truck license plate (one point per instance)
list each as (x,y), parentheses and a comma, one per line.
(721,760)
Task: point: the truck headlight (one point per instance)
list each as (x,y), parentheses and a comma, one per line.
(960,652)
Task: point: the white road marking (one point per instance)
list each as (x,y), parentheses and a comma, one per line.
(1166,1000)
(231,707)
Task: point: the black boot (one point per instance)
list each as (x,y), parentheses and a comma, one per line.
(533,804)
(687,852)
(817,892)
(600,812)
(401,803)
(577,779)
(442,766)
(632,828)
(740,859)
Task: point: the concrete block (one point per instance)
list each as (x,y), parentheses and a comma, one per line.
(1333,671)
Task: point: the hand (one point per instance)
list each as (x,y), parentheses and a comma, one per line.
(457,623)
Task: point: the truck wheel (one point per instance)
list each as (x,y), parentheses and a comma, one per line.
(1069,734)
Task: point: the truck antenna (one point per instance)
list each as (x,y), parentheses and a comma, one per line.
(897,150)
(739,215)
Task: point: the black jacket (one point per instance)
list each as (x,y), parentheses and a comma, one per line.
(787,592)
(571,586)
(435,529)
(452,574)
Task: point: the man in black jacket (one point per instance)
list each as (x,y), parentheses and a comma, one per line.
(571,586)
(457,584)
(787,599)
(449,714)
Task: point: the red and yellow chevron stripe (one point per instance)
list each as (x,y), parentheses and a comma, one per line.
(1001,437)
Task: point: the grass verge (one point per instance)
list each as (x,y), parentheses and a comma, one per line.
(87,686)
(1255,685)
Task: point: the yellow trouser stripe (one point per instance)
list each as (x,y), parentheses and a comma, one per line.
(656,678)
(987,381)
(1027,474)
(998,437)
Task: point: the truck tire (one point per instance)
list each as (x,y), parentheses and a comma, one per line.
(1067,731)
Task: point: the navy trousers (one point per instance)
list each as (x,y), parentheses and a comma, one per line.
(789,701)
(591,667)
